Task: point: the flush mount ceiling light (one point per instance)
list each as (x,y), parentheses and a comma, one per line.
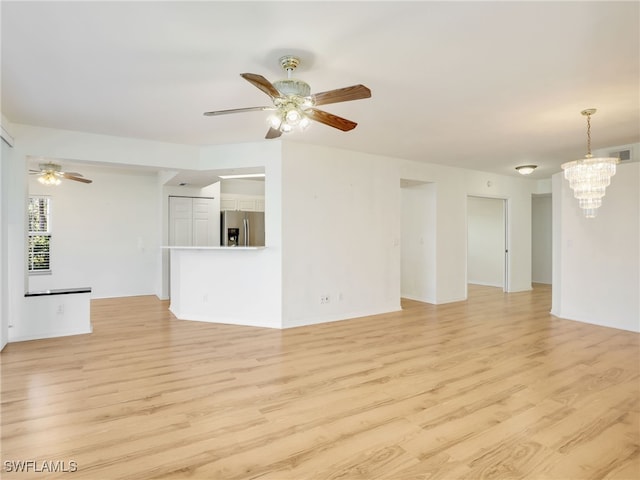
(589,177)
(242,175)
(526,169)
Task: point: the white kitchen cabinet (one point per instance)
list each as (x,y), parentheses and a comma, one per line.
(246,203)
(227,203)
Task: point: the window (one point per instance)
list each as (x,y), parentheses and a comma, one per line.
(39,235)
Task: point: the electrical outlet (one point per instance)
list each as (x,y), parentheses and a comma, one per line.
(60,309)
(324,299)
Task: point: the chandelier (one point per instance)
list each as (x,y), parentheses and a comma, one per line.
(589,177)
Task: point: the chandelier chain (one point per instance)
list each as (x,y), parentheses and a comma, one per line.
(589,136)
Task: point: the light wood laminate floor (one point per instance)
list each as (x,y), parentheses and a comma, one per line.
(493,388)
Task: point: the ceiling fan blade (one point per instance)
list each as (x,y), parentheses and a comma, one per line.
(74,174)
(330,119)
(273,133)
(69,176)
(346,94)
(262,83)
(237,110)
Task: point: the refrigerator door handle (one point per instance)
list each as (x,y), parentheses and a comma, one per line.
(245,221)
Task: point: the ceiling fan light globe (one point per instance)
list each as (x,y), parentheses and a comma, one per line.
(304,123)
(293,117)
(275,121)
(49,178)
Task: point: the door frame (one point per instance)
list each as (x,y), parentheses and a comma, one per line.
(506,205)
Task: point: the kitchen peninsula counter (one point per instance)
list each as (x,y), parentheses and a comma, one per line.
(233,285)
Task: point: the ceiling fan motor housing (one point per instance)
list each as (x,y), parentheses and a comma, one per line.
(291,86)
(50,167)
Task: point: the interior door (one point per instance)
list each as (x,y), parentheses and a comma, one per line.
(487,248)
(180,221)
(204,233)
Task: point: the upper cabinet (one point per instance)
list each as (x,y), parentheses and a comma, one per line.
(227,203)
(242,194)
(247,203)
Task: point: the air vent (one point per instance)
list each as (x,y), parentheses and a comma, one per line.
(621,155)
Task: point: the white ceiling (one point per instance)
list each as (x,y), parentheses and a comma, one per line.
(481,85)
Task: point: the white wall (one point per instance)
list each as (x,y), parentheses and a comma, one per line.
(104,234)
(418,243)
(348,193)
(453,185)
(107,149)
(450,225)
(13,263)
(541,264)
(332,217)
(486,241)
(517,192)
(340,234)
(596,262)
(5,155)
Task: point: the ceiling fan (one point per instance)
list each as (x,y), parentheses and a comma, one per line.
(293,104)
(51,174)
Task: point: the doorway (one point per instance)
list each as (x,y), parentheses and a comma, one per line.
(487,242)
(418,241)
(541,239)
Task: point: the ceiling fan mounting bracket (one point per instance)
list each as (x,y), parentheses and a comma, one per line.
(289,63)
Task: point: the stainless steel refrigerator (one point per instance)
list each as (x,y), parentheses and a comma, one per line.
(243,229)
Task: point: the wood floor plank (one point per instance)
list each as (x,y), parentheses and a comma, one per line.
(493,387)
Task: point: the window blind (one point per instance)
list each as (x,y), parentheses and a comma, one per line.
(39,247)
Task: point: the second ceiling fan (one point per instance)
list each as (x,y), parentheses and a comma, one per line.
(293,104)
